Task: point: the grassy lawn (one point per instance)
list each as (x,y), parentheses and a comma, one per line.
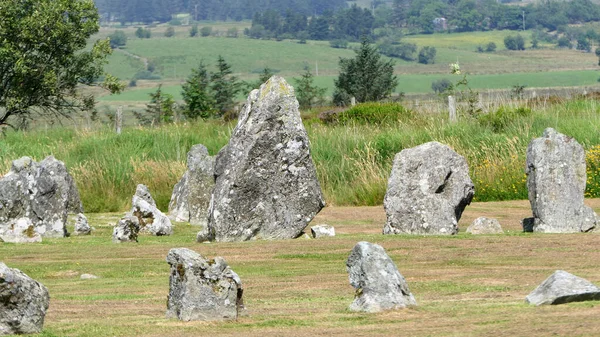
(464,285)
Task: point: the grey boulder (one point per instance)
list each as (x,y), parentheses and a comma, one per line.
(428,190)
(82,226)
(266,183)
(191,195)
(44,192)
(23,303)
(21,231)
(320,231)
(126,230)
(201,289)
(150,218)
(562,287)
(556,179)
(378,283)
(483,225)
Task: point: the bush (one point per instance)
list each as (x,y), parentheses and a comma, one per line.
(491,47)
(232,32)
(584,44)
(206,31)
(194,31)
(402,50)
(427,55)
(175,22)
(514,42)
(564,42)
(170,32)
(143,33)
(117,39)
(441,85)
(374,113)
(338,43)
(501,118)
(146,75)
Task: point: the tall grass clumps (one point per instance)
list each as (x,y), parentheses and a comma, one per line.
(353,157)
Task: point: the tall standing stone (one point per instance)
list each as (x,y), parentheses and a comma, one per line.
(428,190)
(23,303)
(191,195)
(266,184)
(556,178)
(201,289)
(378,283)
(43,192)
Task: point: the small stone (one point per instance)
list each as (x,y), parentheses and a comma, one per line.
(81,225)
(427,191)
(378,283)
(483,225)
(88,277)
(563,287)
(23,303)
(201,289)
(21,231)
(556,181)
(320,231)
(126,230)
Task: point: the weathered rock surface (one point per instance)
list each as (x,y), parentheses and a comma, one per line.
(266,184)
(378,283)
(126,230)
(44,192)
(320,231)
(483,225)
(82,226)
(21,231)
(556,178)
(191,195)
(427,191)
(23,302)
(201,289)
(150,218)
(562,287)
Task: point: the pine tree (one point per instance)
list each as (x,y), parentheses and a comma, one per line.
(197,95)
(225,87)
(161,107)
(307,93)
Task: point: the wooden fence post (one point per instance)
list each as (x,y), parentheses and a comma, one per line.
(452,109)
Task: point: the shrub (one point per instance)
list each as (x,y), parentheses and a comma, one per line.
(143,33)
(405,51)
(146,75)
(514,42)
(374,113)
(206,31)
(338,43)
(175,22)
(117,39)
(501,118)
(427,55)
(232,32)
(441,85)
(194,31)
(170,32)
(491,47)
(564,42)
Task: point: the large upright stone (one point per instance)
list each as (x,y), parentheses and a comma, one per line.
(201,289)
(150,218)
(556,179)
(44,192)
(378,283)
(562,287)
(191,195)
(23,303)
(266,184)
(428,190)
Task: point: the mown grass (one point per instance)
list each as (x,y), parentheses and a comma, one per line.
(464,285)
(353,160)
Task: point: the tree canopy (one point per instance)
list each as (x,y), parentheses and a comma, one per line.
(43,58)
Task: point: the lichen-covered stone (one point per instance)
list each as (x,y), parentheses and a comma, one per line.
(191,195)
(126,230)
(44,192)
(563,287)
(150,218)
(20,231)
(82,226)
(266,183)
(23,303)
(483,225)
(556,179)
(201,289)
(427,191)
(378,283)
